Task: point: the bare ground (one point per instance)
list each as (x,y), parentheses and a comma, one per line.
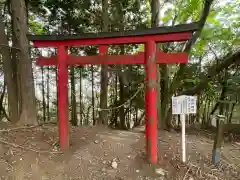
(105,154)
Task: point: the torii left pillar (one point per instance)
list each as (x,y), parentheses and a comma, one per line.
(62,90)
(151,101)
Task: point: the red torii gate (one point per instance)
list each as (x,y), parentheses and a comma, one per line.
(148,37)
(161,58)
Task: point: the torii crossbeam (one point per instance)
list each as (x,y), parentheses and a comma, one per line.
(161,58)
(148,37)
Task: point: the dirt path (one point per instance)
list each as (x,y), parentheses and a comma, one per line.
(95,154)
(105,154)
(199,155)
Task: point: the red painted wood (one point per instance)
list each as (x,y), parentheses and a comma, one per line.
(47,61)
(151,101)
(182,36)
(106,59)
(62,83)
(103,50)
(162,57)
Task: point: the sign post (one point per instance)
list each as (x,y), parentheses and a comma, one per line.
(184,105)
(216,153)
(182,119)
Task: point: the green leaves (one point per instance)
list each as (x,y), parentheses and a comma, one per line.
(190,10)
(212,18)
(35,26)
(192,81)
(236,42)
(219,36)
(169,15)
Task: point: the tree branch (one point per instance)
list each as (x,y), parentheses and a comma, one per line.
(190,43)
(213,71)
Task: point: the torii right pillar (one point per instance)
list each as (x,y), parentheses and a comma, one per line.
(151,101)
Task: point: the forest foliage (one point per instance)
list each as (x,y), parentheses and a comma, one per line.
(211,74)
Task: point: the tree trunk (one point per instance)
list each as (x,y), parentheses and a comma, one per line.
(73,97)
(9,74)
(93,101)
(155,12)
(86,122)
(162,74)
(208,114)
(198,108)
(136,115)
(122,97)
(48,96)
(178,75)
(223,92)
(28,113)
(115,111)
(231,113)
(56,77)
(80,97)
(221,109)
(218,140)
(103,115)
(164,96)
(204,114)
(139,120)
(43,96)
(226,110)
(121,92)
(2,109)
(15,66)
(161,122)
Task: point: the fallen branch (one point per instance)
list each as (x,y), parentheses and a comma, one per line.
(212,176)
(5,162)
(28,149)
(185,176)
(18,128)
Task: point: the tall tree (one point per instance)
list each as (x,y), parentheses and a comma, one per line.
(162,70)
(43,95)
(48,95)
(179,74)
(93,96)
(73,97)
(28,113)
(104,73)
(9,74)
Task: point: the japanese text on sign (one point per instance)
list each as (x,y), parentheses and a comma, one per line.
(184,104)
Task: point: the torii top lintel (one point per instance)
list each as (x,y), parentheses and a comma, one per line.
(181,32)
